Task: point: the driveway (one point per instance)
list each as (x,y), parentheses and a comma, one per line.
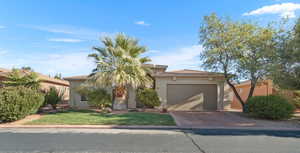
(228,120)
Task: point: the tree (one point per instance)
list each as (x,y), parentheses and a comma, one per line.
(27,68)
(22,78)
(120,65)
(286,69)
(239,50)
(58,76)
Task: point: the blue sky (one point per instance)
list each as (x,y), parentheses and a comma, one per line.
(55,36)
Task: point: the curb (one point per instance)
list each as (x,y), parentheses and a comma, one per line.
(91,127)
(146,127)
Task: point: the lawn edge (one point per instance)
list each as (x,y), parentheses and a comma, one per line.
(145,127)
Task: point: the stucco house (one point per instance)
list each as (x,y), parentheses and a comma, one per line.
(263,88)
(46,82)
(181,90)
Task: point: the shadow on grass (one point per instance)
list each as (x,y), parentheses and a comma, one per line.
(237,132)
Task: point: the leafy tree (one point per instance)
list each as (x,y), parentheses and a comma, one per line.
(22,78)
(58,76)
(240,50)
(27,68)
(119,64)
(286,65)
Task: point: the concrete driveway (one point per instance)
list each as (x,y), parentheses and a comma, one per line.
(228,120)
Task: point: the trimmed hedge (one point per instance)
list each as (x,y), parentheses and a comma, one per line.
(18,102)
(269,107)
(148,97)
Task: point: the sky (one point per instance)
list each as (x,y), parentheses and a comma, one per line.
(55,36)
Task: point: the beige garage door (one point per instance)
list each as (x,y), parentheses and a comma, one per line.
(192,97)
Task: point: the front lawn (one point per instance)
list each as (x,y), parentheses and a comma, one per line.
(87,117)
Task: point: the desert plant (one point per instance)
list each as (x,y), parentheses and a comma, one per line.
(269,107)
(18,102)
(148,97)
(54,96)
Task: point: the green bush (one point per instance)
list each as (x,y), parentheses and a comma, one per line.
(18,102)
(296,99)
(99,98)
(148,97)
(269,107)
(54,96)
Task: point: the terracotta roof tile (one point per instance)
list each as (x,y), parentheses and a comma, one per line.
(42,77)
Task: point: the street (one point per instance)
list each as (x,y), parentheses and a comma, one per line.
(147,141)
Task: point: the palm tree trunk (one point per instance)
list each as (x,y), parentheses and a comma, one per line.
(120,101)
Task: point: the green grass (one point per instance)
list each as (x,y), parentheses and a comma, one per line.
(87,117)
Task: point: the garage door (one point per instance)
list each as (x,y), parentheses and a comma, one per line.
(192,97)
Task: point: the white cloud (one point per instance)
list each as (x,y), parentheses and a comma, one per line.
(182,58)
(2,27)
(78,32)
(143,23)
(284,10)
(67,40)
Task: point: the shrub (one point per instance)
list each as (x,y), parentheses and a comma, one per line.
(296,99)
(293,96)
(148,97)
(54,96)
(269,107)
(18,102)
(97,97)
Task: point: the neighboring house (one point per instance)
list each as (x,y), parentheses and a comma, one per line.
(182,90)
(262,88)
(46,82)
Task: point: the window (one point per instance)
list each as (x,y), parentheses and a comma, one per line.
(83,98)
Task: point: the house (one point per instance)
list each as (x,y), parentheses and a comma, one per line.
(262,88)
(46,82)
(181,90)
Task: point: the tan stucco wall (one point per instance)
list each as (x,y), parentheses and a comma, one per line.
(263,88)
(45,86)
(160,86)
(162,82)
(75,98)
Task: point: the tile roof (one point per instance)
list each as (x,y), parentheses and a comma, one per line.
(42,77)
(189,73)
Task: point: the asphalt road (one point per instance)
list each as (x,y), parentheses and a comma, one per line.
(147,141)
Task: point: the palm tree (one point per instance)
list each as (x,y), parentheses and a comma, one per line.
(120,65)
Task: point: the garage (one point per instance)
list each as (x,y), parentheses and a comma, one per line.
(190,90)
(192,97)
